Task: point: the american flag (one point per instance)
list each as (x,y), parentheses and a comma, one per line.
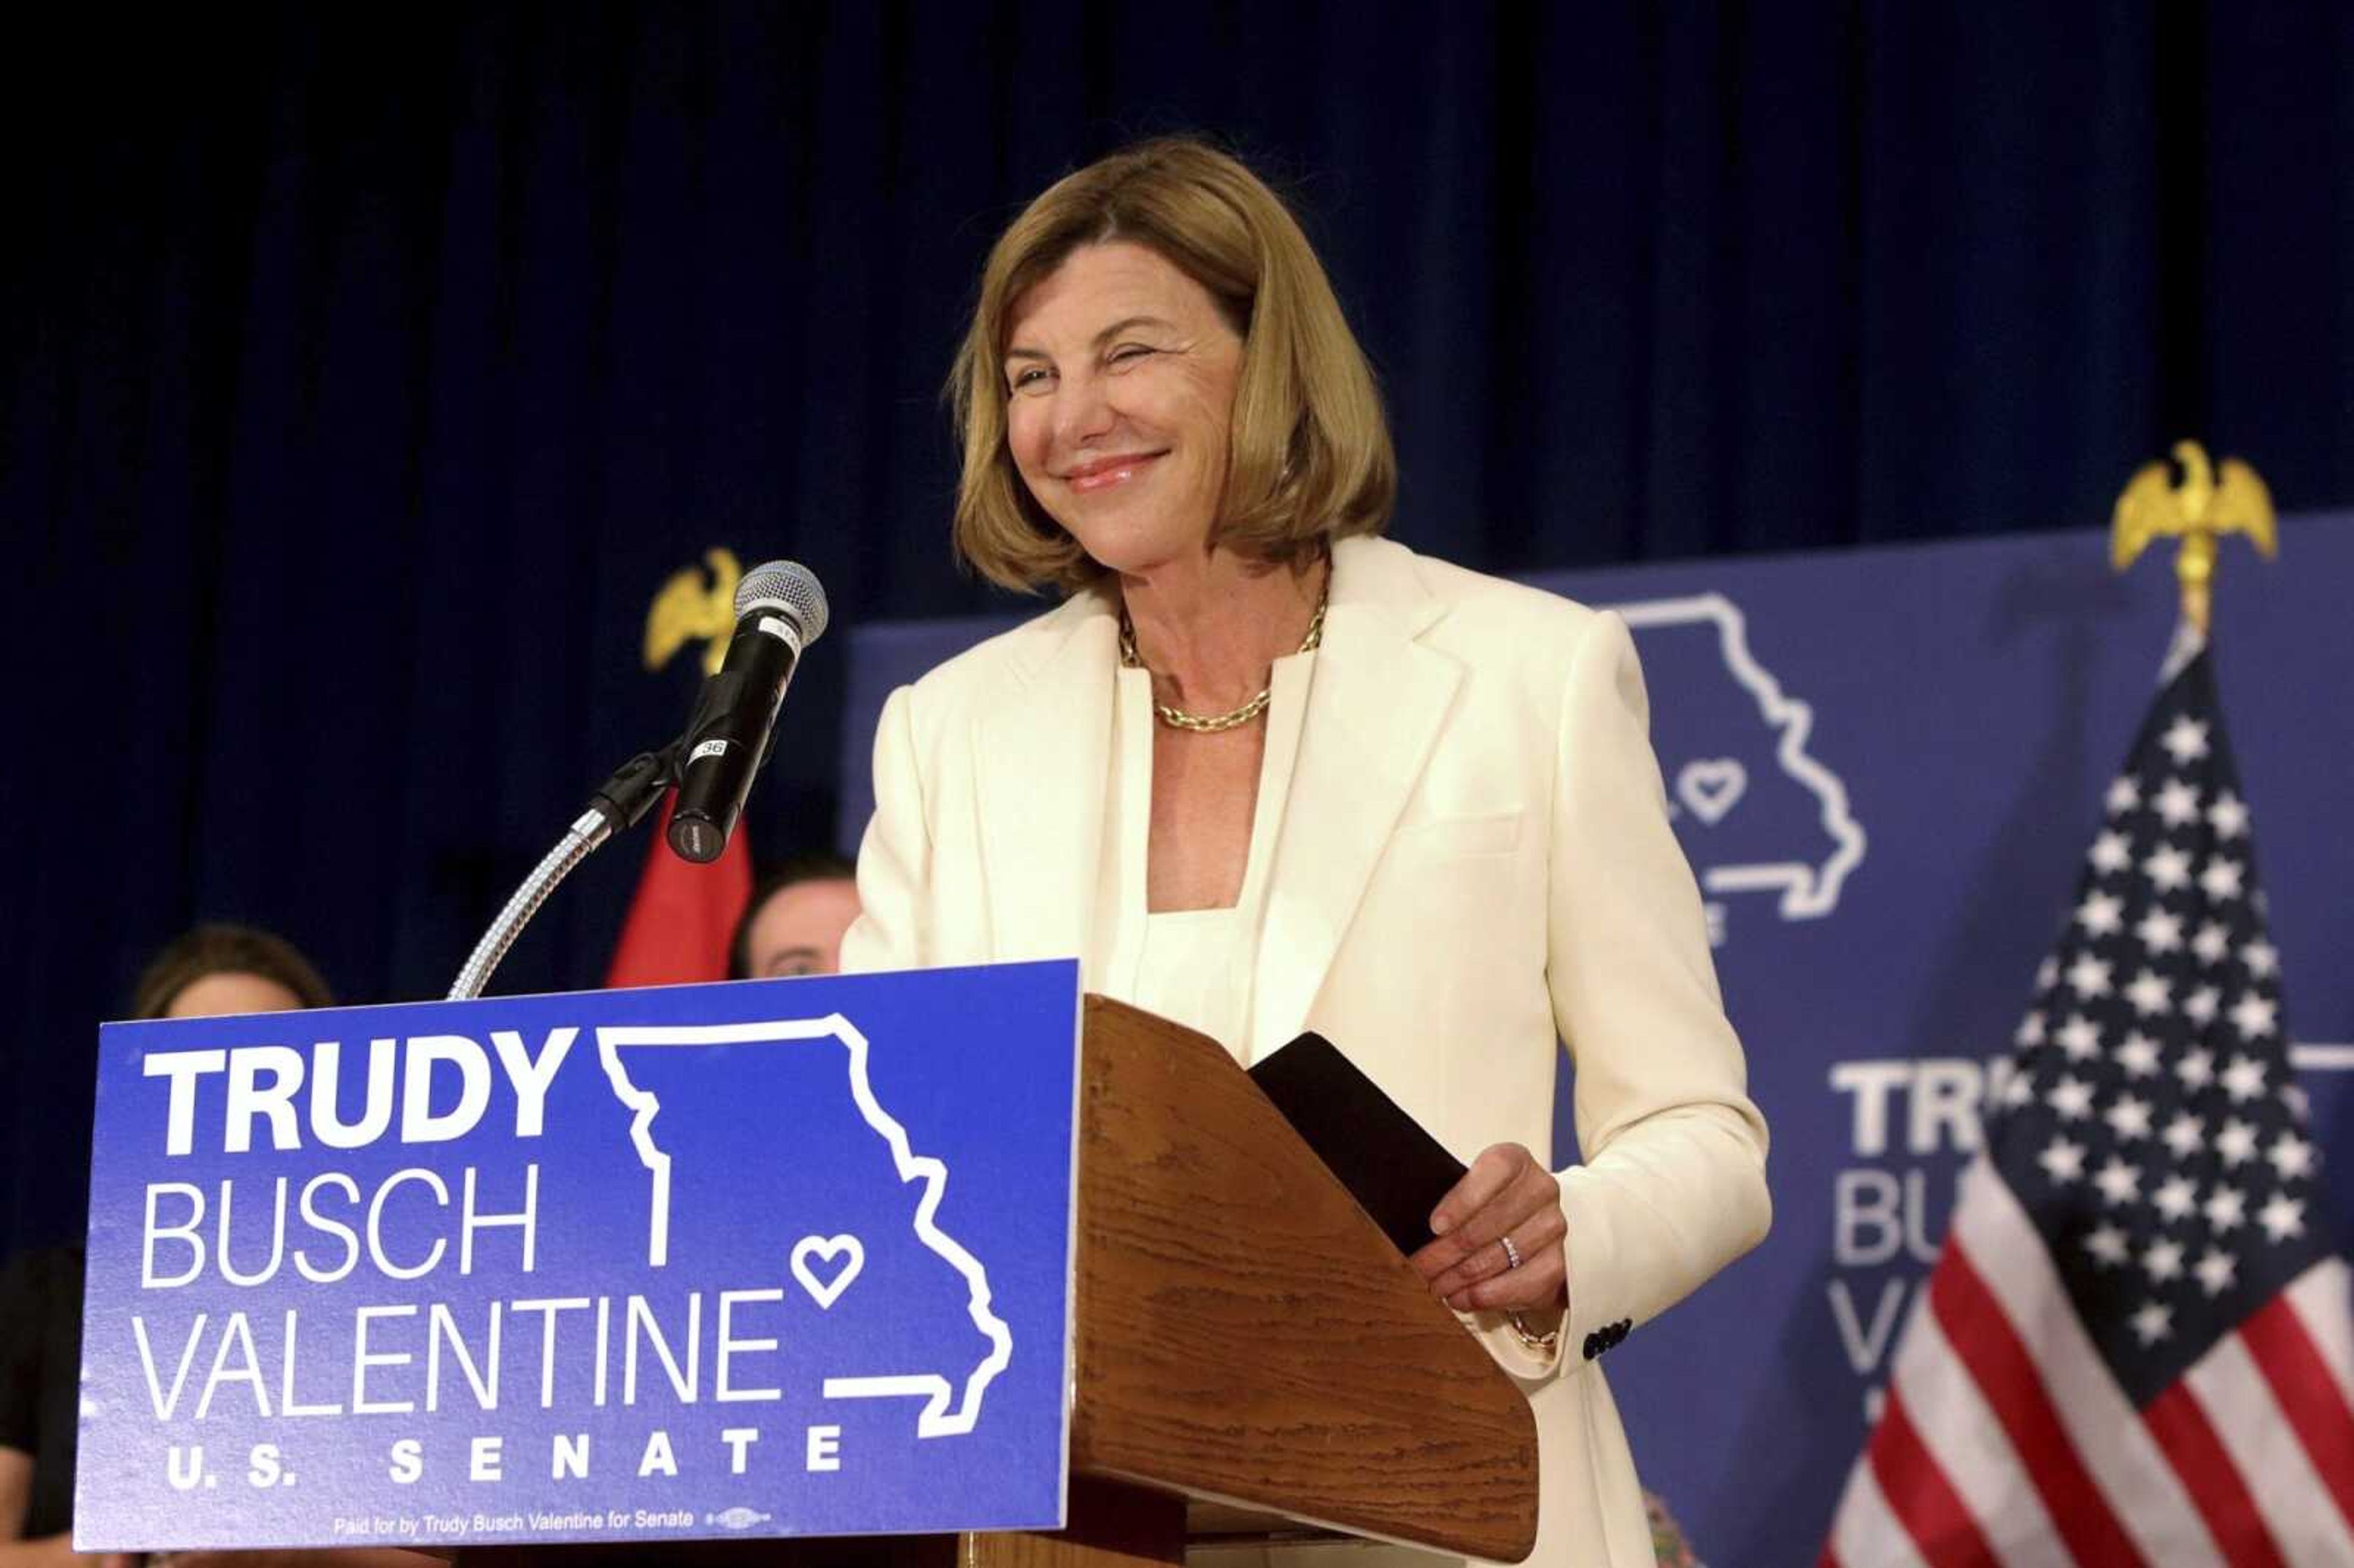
(2135,1346)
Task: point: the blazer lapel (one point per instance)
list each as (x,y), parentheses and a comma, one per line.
(1042,757)
(1375,706)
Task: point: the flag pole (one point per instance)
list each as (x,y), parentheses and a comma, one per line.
(2207,501)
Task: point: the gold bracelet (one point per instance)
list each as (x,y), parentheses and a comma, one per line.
(1544,1344)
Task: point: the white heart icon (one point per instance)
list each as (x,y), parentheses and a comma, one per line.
(825,1292)
(1711,787)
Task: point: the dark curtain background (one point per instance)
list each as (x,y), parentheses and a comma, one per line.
(364,371)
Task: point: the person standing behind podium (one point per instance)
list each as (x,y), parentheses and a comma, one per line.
(1265,771)
(211,972)
(793,923)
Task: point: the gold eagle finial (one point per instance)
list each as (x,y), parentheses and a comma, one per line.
(687,610)
(2208,502)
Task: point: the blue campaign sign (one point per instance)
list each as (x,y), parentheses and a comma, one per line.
(778,1258)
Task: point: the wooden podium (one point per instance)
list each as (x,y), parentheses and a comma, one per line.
(1255,1362)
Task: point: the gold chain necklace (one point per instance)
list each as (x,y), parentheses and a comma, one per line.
(1199,723)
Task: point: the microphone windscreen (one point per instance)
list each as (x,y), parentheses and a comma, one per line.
(789,587)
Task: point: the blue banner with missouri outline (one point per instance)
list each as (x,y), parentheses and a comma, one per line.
(765,1258)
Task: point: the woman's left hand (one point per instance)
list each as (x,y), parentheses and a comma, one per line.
(1507,1193)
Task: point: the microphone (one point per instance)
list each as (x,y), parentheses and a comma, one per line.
(780,611)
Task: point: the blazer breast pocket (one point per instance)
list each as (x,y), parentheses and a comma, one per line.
(1454,837)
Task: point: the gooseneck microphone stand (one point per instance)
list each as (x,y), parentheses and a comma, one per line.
(618,804)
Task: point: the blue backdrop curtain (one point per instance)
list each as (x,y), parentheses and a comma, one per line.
(364,371)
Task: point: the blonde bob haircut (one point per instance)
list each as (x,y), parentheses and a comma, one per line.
(1308,456)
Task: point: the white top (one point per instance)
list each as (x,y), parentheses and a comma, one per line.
(1192,966)
(1195,968)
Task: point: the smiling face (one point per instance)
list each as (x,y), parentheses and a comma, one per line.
(1120,373)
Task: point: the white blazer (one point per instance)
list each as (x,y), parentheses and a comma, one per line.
(1474,862)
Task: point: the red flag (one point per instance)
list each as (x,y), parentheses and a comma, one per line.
(684,914)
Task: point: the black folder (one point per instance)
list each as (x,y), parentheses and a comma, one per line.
(1394,1168)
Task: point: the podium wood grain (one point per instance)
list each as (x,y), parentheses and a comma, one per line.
(1246,1335)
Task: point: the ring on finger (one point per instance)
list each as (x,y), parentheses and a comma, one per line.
(1512,1253)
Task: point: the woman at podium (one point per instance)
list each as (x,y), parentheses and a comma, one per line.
(1266,771)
